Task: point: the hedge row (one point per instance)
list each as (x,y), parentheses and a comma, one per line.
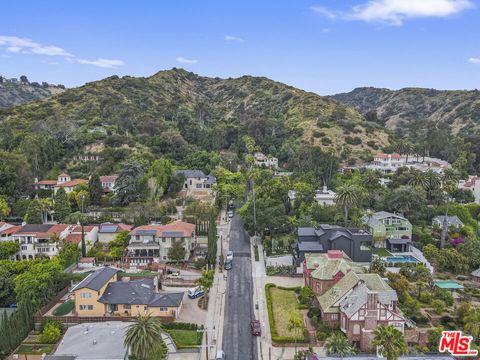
(273,330)
(182,326)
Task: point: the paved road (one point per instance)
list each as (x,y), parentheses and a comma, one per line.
(238,342)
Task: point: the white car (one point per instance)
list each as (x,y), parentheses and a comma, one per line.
(230,214)
(230,255)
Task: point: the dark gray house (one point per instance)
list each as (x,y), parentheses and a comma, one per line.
(355,243)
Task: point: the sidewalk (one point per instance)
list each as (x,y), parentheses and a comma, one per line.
(216,303)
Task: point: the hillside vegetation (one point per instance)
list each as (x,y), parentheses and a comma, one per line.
(176,114)
(15,92)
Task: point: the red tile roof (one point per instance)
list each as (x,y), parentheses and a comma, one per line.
(54,229)
(63,174)
(86,228)
(10,230)
(108,178)
(177,226)
(46,182)
(74,238)
(73,183)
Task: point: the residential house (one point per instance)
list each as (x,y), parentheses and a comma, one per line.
(197,183)
(90,233)
(63,181)
(93,341)
(387,163)
(87,157)
(102,294)
(263,160)
(476,275)
(358,303)
(6,230)
(151,243)
(108,183)
(391,231)
(109,231)
(472,184)
(355,243)
(451,221)
(36,239)
(322,271)
(325,196)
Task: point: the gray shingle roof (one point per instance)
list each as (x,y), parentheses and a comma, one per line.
(41,228)
(452,220)
(96,280)
(192,173)
(476,273)
(139,292)
(309,246)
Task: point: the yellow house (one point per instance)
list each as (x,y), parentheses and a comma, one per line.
(100,294)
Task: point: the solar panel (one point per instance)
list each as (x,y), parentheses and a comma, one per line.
(146,232)
(172,234)
(109,228)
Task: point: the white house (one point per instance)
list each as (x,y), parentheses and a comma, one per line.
(263,160)
(451,221)
(325,196)
(472,184)
(108,183)
(63,181)
(197,183)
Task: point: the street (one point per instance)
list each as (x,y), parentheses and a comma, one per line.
(238,342)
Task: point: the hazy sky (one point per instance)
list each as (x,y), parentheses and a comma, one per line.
(325,46)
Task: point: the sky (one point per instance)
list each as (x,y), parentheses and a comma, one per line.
(324,46)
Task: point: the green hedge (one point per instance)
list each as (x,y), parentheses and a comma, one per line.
(172,328)
(273,331)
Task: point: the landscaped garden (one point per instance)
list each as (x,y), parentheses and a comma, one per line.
(34,349)
(184,335)
(65,308)
(285,315)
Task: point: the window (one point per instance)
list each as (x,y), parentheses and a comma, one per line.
(334,317)
(24,247)
(199,186)
(86,307)
(356,329)
(85,295)
(164,258)
(164,239)
(163,309)
(126,306)
(402,228)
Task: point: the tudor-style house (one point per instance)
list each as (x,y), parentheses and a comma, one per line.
(151,243)
(102,294)
(197,183)
(391,231)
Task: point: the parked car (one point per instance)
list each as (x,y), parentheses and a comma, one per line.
(220,355)
(194,293)
(174,275)
(229,256)
(228,265)
(256,328)
(230,214)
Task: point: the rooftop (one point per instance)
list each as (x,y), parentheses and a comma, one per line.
(192,173)
(94,341)
(98,279)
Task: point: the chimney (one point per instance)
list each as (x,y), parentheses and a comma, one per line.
(324,188)
(155,283)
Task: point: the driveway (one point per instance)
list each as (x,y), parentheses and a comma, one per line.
(190,311)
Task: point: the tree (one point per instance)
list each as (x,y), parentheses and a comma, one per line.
(127,184)
(390,342)
(82,199)
(4,208)
(347,197)
(337,344)
(377,266)
(95,189)
(177,252)
(472,322)
(61,205)
(295,325)
(206,280)
(24,79)
(51,332)
(34,214)
(142,337)
(7,249)
(404,147)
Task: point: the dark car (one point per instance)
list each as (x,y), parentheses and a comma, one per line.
(256,328)
(228,265)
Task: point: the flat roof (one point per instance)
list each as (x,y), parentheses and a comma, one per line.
(94,341)
(447,284)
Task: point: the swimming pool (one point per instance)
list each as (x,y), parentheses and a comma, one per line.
(401,259)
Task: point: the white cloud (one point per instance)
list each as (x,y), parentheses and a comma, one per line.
(233,38)
(474,60)
(396,12)
(322,10)
(17,45)
(325,31)
(104,63)
(183,60)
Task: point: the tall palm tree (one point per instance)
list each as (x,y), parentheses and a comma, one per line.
(433,182)
(390,341)
(143,336)
(347,197)
(404,147)
(295,325)
(418,179)
(337,344)
(472,322)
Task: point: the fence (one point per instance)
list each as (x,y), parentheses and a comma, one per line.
(85,319)
(52,302)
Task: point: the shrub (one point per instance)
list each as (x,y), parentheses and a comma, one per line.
(444,295)
(326,141)
(305,295)
(321,335)
(425,298)
(313,312)
(51,332)
(353,140)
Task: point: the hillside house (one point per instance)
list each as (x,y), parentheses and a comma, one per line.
(262,160)
(451,221)
(391,231)
(90,233)
(109,231)
(102,294)
(197,183)
(63,181)
(355,243)
(325,196)
(108,183)
(151,243)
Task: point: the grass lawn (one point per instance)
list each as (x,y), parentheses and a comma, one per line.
(381,252)
(32,349)
(284,304)
(65,308)
(184,338)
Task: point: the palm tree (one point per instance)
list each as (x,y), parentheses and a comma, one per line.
(143,336)
(403,147)
(418,179)
(472,322)
(337,344)
(390,342)
(433,182)
(347,197)
(295,325)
